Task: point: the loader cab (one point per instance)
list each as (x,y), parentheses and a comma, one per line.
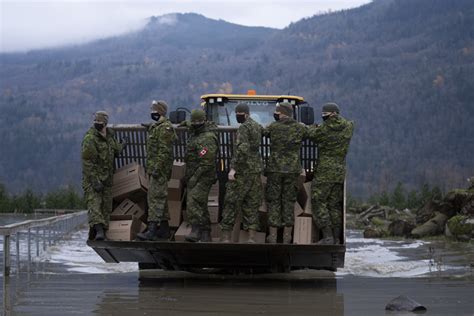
(220,108)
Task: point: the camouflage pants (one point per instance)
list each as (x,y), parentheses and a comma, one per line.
(99,205)
(326,202)
(280,195)
(244,194)
(199,186)
(158,199)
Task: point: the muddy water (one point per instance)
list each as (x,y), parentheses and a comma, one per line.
(73,280)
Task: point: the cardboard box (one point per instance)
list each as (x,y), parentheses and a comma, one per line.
(303,231)
(244,236)
(214,193)
(183,230)
(124,227)
(263,207)
(216,231)
(304,198)
(298,209)
(175,209)
(236,228)
(178,171)
(175,190)
(128,207)
(213,209)
(301,179)
(130,182)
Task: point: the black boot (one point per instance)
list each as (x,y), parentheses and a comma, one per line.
(151,233)
(206,235)
(99,232)
(164,231)
(337,235)
(328,238)
(195,234)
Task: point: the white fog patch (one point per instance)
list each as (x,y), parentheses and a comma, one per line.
(168,19)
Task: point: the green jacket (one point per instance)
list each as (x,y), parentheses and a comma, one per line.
(201,151)
(159,147)
(247,158)
(98,153)
(332,138)
(286,138)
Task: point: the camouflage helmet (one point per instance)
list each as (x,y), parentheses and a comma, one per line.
(101,116)
(285,108)
(330,107)
(160,107)
(242,108)
(198,115)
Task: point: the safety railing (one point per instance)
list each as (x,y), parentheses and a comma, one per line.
(39,232)
(137,137)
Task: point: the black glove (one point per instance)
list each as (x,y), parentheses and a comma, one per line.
(146,125)
(155,174)
(124,142)
(98,186)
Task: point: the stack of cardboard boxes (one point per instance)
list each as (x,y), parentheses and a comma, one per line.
(303,231)
(176,194)
(129,191)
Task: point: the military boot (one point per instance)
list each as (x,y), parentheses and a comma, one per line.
(225,236)
(272,236)
(337,235)
(251,239)
(328,238)
(164,231)
(287,232)
(151,233)
(99,232)
(195,234)
(206,235)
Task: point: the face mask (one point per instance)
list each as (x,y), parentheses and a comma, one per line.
(276,116)
(240,118)
(197,126)
(155,116)
(99,126)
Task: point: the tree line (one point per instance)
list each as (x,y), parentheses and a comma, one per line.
(28,201)
(400,197)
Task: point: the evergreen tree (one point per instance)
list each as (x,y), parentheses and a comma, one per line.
(398,199)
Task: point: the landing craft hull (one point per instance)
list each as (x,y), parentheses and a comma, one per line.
(233,257)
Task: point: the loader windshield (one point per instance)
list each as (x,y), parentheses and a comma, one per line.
(260,111)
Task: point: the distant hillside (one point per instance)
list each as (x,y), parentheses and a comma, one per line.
(401,69)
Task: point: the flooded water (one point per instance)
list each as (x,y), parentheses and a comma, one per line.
(72,279)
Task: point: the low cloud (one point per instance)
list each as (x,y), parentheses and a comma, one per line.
(40,24)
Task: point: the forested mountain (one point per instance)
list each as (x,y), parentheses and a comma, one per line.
(403,70)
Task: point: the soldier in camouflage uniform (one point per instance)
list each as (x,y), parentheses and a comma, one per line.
(244,190)
(201,152)
(99,147)
(283,169)
(332,138)
(159,148)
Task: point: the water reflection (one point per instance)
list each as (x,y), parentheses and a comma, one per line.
(191,294)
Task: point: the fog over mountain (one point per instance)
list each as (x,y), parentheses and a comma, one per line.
(401,69)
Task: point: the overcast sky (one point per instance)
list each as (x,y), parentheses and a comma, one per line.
(26,25)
